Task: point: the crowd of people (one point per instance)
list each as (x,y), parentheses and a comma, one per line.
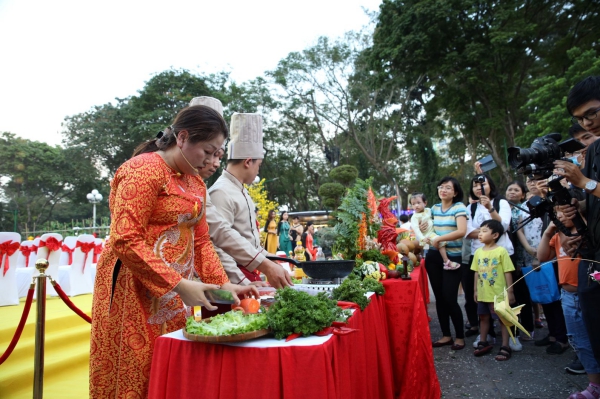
(484,246)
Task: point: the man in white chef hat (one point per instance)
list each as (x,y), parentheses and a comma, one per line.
(234,204)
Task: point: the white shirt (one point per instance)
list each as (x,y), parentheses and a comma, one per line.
(481,215)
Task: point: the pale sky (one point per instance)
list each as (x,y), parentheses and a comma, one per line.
(60,58)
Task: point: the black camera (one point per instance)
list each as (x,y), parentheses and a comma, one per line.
(538,161)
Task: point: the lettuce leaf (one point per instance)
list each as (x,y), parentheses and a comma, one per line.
(234,322)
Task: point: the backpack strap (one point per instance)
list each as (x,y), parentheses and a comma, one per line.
(473,209)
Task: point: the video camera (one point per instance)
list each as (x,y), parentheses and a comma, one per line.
(538,161)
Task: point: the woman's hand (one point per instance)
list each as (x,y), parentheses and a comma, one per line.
(477,167)
(244,291)
(192,293)
(531,251)
(485,201)
(423,226)
(435,242)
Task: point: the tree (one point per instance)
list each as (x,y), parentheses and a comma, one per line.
(329,96)
(38,177)
(547,103)
(478,65)
(109,133)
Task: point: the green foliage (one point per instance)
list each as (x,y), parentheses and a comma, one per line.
(38,178)
(547,103)
(375,256)
(331,190)
(349,215)
(344,174)
(229,323)
(478,66)
(326,238)
(299,312)
(354,290)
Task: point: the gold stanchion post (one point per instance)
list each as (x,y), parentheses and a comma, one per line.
(40,330)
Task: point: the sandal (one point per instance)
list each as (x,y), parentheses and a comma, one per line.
(483,348)
(451,265)
(504,354)
(591,392)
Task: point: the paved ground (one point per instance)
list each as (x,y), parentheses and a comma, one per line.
(530,374)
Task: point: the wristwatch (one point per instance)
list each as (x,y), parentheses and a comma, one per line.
(590,186)
(492,210)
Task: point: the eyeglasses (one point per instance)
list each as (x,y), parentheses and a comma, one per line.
(590,117)
(445,188)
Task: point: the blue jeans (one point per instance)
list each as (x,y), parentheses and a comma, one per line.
(577,332)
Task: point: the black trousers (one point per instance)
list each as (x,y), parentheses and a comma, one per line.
(468,281)
(555,318)
(523,297)
(589,300)
(444,284)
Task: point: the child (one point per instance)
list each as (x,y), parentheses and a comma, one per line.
(492,267)
(550,247)
(423,215)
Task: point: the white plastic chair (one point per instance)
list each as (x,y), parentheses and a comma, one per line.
(77,278)
(9,252)
(26,251)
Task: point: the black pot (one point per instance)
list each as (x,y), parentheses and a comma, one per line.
(321,269)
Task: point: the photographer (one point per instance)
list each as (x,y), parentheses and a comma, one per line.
(583,104)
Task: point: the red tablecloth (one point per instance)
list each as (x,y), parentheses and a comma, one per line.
(358,365)
(410,339)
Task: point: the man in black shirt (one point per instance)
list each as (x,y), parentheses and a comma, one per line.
(583,103)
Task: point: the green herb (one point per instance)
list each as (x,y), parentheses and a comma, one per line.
(229,323)
(298,312)
(351,291)
(371,285)
(296,280)
(375,256)
(354,290)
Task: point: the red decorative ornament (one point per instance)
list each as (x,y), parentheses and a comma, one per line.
(65,248)
(86,247)
(7,248)
(52,244)
(27,250)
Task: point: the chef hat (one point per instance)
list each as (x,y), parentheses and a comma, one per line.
(210,102)
(246,140)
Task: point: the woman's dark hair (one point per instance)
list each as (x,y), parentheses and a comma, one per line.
(521,185)
(271,212)
(201,122)
(586,90)
(281,221)
(418,194)
(457,188)
(493,190)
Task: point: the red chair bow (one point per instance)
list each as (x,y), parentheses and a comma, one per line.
(85,247)
(52,244)
(26,251)
(7,248)
(65,248)
(97,251)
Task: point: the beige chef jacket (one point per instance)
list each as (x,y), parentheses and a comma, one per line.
(232,222)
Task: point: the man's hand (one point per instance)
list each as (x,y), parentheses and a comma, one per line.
(542,185)
(571,172)
(569,211)
(277,276)
(570,245)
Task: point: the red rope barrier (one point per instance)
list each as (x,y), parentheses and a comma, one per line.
(70,304)
(21,325)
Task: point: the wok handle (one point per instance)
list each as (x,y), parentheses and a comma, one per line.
(290,260)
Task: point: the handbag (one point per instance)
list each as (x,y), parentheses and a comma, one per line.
(542,284)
